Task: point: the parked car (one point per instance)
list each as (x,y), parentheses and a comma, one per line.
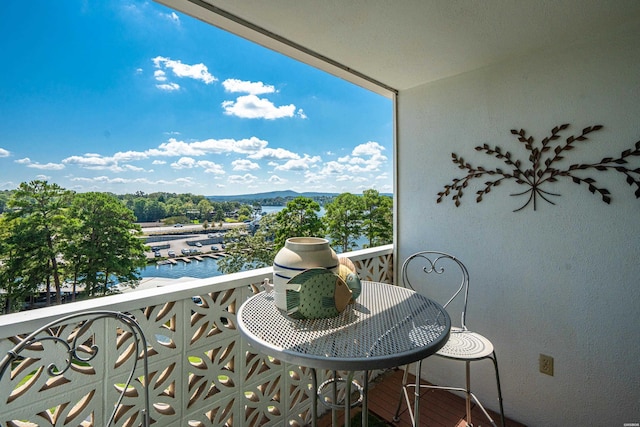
(185,251)
(178,225)
(198,244)
(172,254)
(157,254)
(215,248)
(210,236)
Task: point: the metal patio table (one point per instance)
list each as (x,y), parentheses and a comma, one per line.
(387,326)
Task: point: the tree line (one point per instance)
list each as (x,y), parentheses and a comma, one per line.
(50,236)
(347,219)
(172,208)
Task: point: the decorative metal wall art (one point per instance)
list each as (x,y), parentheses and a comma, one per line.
(543,158)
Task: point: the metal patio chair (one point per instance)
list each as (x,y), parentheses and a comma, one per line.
(81,369)
(418,272)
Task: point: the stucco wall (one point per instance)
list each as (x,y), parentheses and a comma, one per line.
(563,280)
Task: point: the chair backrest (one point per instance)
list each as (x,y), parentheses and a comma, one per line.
(81,369)
(440,276)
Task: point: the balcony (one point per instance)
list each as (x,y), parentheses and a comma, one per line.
(202,372)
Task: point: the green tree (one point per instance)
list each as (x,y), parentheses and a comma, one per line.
(245,212)
(174,207)
(246,251)
(105,243)
(298,219)
(218,211)
(343,219)
(20,269)
(377,225)
(204,206)
(4,196)
(36,218)
(140,209)
(155,210)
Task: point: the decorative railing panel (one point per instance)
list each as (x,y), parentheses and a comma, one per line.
(201,371)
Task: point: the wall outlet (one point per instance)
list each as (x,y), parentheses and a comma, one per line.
(546,364)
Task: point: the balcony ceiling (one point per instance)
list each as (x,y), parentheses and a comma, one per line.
(408,43)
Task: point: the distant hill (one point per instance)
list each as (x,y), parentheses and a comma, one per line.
(287,194)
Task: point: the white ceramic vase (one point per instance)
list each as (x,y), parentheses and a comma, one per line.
(297,255)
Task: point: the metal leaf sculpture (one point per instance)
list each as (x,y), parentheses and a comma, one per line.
(542,157)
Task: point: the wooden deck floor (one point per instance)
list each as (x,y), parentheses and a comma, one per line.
(438,408)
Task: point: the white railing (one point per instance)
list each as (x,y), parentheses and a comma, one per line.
(202,373)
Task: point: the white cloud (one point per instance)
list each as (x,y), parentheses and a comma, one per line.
(244,165)
(313,178)
(196,71)
(300,113)
(252,107)
(252,88)
(299,164)
(185,181)
(35,165)
(102,180)
(93,161)
(160,75)
(274,153)
(4,153)
(200,148)
(333,167)
(245,179)
(365,157)
(128,156)
(275,179)
(368,149)
(185,151)
(132,168)
(169,87)
(184,163)
(173,17)
(211,167)
(190,163)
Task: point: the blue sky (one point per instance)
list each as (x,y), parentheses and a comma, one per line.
(127,96)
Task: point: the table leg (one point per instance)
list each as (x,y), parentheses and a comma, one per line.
(365,400)
(314,400)
(334,411)
(347,400)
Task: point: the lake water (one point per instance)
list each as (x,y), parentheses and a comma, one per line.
(208,267)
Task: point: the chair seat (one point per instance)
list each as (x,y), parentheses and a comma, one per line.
(466,345)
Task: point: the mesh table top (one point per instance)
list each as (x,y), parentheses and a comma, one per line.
(387,326)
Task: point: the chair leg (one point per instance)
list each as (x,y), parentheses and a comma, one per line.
(468,391)
(403,389)
(495,365)
(416,402)
(414,413)
(494,359)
